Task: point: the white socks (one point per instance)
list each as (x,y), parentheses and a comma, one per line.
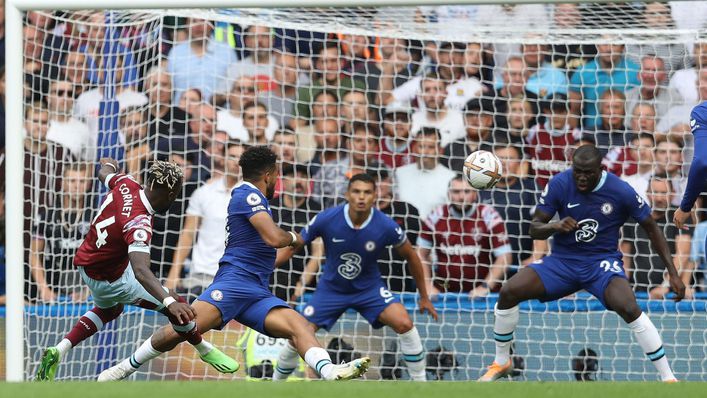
(286,363)
(64,346)
(504,324)
(413,353)
(319,360)
(651,343)
(143,354)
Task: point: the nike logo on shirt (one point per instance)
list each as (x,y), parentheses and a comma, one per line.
(334,240)
(571,205)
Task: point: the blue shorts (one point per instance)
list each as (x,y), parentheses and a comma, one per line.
(326,306)
(562,277)
(242,296)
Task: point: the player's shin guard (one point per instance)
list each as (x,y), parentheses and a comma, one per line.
(191,334)
(651,343)
(88,325)
(413,353)
(287,362)
(504,324)
(319,360)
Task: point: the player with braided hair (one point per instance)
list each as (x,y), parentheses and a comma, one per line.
(114,261)
(240,288)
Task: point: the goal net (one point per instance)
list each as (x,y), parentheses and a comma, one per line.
(404,94)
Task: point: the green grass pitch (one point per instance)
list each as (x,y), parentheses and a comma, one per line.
(244,389)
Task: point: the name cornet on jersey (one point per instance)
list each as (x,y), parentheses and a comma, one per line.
(127,200)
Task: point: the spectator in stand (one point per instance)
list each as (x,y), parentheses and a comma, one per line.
(643,150)
(44,163)
(396,67)
(656,16)
(570,56)
(74,68)
(459,66)
(449,122)
(93,48)
(653,90)
(478,118)
(203,233)
(202,127)
(327,135)
(256,58)
(643,264)
(191,100)
(230,120)
(292,210)
(550,144)
(64,129)
(427,172)
(519,118)
(392,266)
(669,161)
(643,119)
(168,126)
(515,77)
(327,75)
(281,99)
(465,236)
(609,70)
(324,107)
(57,234)
(138,151)
(395,145)
(199,62)
(683,81)
(635,158)
(354,108)
(514,198)
(544,78)
(87,105)
(256,127)
(610,132)
(331,181)
(361,57)
(284,144)
(679,114)
(534,17)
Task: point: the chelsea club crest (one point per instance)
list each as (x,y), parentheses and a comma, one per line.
(607,208)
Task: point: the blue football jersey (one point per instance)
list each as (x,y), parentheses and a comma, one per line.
(600,214)
(245,248)
(352,254)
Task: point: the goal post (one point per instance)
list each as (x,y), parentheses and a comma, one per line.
(548,336)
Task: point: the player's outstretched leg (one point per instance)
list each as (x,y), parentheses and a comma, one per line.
(396,316)
(525,285)
(89,323)
(620,298)
(167,337)
(287,323)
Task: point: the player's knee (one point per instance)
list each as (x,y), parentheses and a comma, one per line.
(508,293)
(629,311)
(403,326)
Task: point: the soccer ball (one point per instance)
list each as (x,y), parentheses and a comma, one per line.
(482,169)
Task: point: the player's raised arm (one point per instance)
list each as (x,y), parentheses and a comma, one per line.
(108,166)
(407,252)
(661,246)
(541,228)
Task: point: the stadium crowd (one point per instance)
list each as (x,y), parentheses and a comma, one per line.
(407,112)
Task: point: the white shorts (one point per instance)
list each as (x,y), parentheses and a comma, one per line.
(124,290)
